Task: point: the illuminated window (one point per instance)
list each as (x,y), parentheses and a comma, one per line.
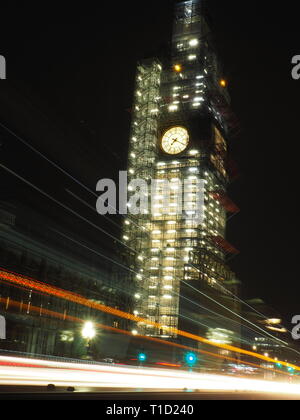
(178,68)
(194,42)
(173,108)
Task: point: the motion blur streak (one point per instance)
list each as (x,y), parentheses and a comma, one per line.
(72,297)
(14,372)
(65,317)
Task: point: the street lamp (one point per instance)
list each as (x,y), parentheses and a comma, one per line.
(88,333)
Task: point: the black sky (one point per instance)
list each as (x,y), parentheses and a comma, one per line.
(77,62)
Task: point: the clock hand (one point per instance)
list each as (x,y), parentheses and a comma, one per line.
(180,142)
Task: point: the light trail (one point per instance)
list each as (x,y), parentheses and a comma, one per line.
(63,294)
(65,207)
(66,317)
(235,314)
(55,165)
(123,243)
(29,372)
(97,227)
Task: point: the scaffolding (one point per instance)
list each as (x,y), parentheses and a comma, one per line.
(171,246)
(142,156)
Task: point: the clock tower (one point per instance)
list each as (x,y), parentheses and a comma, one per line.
(180,134)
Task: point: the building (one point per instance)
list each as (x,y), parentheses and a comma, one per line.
(180,135)
(179,273)
(48,255)
(277,341)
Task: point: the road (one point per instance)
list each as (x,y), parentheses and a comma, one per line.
(29,393)
(32,376)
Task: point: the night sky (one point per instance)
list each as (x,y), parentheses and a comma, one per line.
(77,64)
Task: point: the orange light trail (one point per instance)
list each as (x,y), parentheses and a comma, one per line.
(64,317)
(72,297)
(168,365)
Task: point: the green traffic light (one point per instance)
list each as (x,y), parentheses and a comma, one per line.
(142,357)
(191,359)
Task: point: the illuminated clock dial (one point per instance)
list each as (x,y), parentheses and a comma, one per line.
(175,140)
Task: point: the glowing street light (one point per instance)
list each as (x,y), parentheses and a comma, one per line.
(88,332)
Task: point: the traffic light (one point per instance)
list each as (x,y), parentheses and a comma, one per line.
(142,357)
(191,359)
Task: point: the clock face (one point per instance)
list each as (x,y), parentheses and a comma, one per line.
(175,140)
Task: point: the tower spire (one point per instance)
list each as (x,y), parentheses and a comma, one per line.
(179,139)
